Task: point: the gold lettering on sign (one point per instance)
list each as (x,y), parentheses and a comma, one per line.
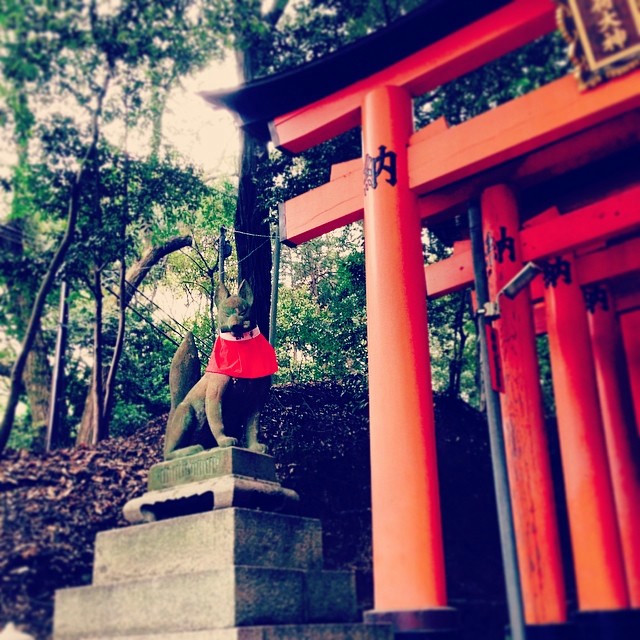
(613,35)
(603,37)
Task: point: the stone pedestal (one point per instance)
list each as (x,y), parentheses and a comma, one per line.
(225,573)
(214,479)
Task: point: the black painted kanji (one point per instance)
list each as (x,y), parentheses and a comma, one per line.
(375,165)
(552,271)
(505,243)
(594,295)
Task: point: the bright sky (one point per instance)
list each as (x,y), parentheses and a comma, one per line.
(207,136)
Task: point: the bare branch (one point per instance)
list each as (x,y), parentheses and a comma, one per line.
(190,257)
(110,386)
(140,269)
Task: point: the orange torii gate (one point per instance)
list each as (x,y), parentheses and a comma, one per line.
(554,175)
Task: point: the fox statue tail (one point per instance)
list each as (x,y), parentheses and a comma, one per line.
(184,372)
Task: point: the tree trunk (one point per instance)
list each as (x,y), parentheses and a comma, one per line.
(92,428)
(37,373)
(253,240)
(98,428)
(110,384)
(37,382)
(254,251)
(139,270)
(460,339)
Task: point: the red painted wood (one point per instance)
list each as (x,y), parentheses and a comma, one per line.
(630,324)
(408,562)
(614,215)
(323,209)
(610,262)
(516,128)
(618,422)
(595,540)
(469,48)
(345,168)
(611,216)
(569,153)
(539,318)
(530,480)
(451,274)
(627,300)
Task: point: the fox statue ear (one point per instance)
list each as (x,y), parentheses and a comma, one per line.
(222,293)
(245,292)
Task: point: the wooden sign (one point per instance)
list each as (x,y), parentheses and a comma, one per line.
(603,37)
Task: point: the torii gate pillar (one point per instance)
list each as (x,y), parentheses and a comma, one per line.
(408,562)
(536,530)
(630,324)
(619,430)
(598,563)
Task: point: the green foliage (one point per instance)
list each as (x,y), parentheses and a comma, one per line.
(143,388)
(22,434)
(304,332)
(544,362)
(504,79)
(194,274)
(453,347)
(322,319)
(319,27)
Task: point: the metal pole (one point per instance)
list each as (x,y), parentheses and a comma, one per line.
(494,417)
(53,424)
(274,289)
(221,255)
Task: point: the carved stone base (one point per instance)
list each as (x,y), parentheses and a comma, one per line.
(218,493)
(214,463)
(208,480)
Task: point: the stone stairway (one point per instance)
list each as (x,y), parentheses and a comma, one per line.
(227,573)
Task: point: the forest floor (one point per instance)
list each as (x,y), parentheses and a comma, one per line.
(52,505)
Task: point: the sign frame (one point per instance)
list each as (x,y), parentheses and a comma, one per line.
(595,62)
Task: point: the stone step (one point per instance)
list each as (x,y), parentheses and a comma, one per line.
(237,596)
(207,541)
(280,632)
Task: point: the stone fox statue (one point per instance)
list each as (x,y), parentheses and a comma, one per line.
(223,406)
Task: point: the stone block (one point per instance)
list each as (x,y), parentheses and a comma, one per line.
(213,463)
(280,632)
(207,495)
(184,602)
(330,596)
(207,541)
(238,596)
(315,632)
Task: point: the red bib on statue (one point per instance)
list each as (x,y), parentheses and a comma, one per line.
(250,356)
